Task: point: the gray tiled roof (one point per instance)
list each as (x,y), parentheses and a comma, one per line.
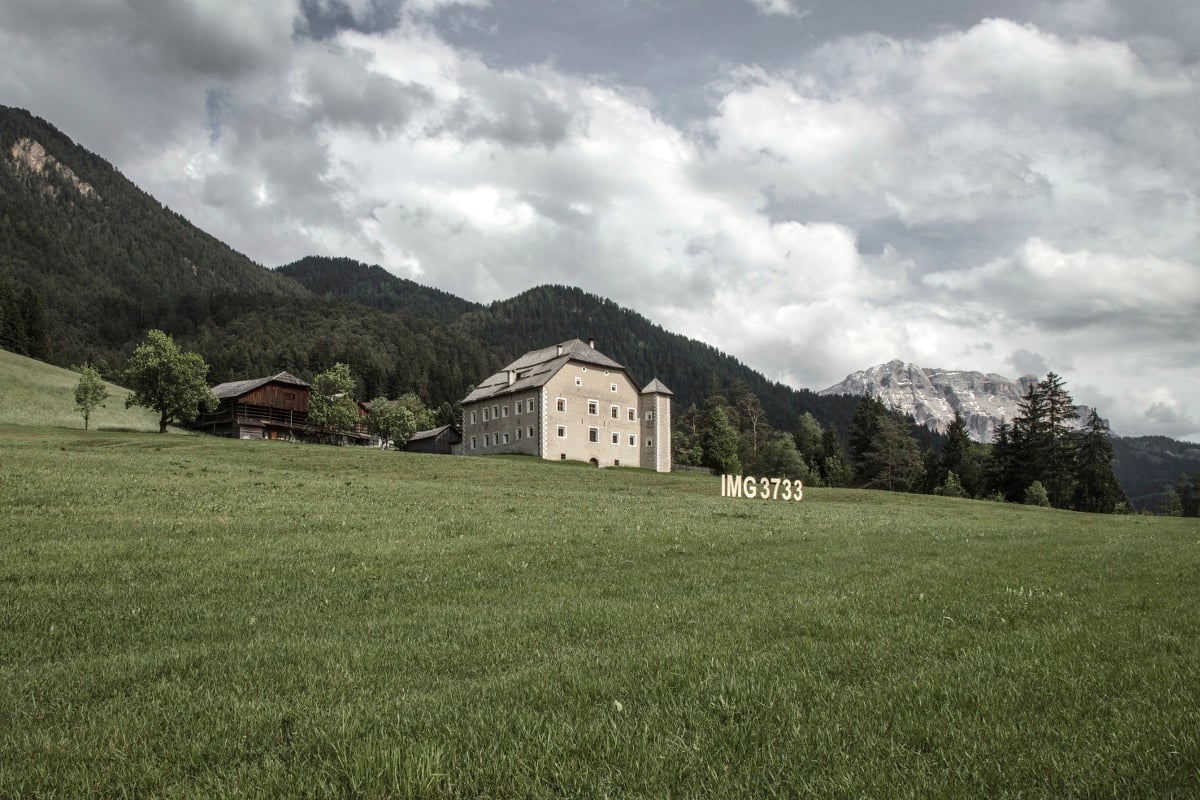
(536,367)
(239,388)
(656,387)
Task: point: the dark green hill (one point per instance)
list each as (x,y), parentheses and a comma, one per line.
(1147,465)
(375,287)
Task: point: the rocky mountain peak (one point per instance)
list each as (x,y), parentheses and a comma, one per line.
(932,396)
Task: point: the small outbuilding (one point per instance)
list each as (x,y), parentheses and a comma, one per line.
(445,440)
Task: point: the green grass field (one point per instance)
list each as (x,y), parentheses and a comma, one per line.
(35,393)
(183,616)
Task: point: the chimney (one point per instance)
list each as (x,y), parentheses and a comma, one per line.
(560,349)
(591,343)
(512,377)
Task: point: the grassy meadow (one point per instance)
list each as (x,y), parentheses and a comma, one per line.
(36,393)
(184,616)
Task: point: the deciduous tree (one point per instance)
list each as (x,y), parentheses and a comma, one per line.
(90,392)
(168,380)
(332,407)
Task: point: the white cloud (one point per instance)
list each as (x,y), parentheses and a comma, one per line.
(780,8)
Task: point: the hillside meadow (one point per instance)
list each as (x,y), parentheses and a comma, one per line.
(191,617)
(35,393)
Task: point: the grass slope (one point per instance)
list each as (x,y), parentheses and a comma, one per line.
(35,393)
(194,617)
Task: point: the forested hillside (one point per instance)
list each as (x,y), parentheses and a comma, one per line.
(375,287)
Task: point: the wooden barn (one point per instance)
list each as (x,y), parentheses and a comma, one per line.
(445,440)
(263,408)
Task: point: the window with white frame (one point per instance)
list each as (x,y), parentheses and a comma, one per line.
(562,431)
(519,432)
(485,414)
(504,410)
(472,416)
(615,412)
(579,381)
(616,438)
(612,387)
(632,415)
(560,404)
(529,432)
(517,408)
(649,416)
(649,443)
(473,443)
(495,412)
(633,440)
(593,408)
(506,438)
(593,434)
(529,406)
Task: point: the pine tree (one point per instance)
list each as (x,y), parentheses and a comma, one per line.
(893,461)
(864,428)
(1096,486)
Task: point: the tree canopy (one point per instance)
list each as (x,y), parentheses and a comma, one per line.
(168,380)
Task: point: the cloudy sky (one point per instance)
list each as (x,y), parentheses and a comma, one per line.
(814,187)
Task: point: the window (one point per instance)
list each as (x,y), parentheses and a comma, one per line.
(517,408)
(506,438)
(562,431)
(632,415)
(504,411)
(612,387)
(616,462)
(472,417)
(593,434)
(485,414)
(649,416)
(616,438)
(593,408)
(529,432)
(633,440)
(529,406)
(495,412)
(615,412)
(560,404)
(579,381)
(472,442)
(519,432)
(649,443)
(562,456)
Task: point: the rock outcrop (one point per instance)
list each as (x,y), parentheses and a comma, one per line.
(27,157)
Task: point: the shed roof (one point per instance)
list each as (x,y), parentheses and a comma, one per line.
(239,388)
(433,434)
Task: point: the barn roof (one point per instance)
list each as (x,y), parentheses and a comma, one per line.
(433,434)
(239,388)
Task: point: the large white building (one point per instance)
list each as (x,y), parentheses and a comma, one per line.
(570,402)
